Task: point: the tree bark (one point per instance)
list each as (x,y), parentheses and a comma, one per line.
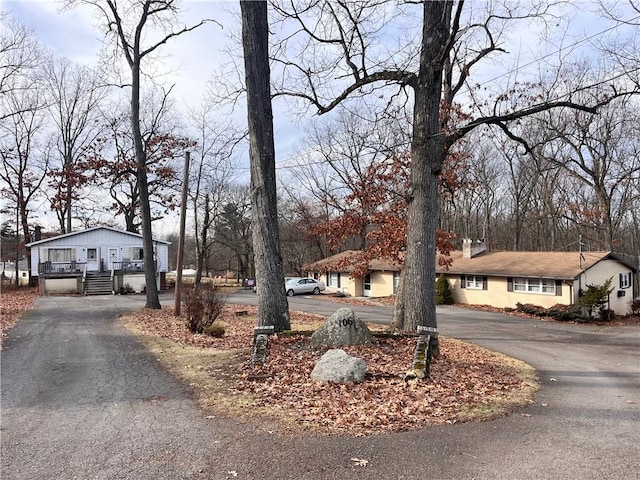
(273,308)
(151,287)
(428,155)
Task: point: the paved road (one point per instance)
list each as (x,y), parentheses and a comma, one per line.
(82,399)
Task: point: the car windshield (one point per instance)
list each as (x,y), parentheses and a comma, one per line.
(292,280)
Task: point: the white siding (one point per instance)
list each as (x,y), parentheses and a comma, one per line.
(100,239)
(600,273)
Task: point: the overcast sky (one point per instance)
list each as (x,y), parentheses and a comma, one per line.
(190,59)
(195,56)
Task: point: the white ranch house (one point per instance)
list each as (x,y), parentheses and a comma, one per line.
(96,260)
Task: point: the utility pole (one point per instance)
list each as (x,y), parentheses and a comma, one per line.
(183,214)
(17,245)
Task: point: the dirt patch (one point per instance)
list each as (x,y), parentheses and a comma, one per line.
(466,382)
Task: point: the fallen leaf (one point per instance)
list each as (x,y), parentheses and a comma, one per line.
(462,376)
(360,462)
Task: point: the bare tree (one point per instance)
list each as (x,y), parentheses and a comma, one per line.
(126,23)
(76,95)
(273,308)
(211,180)
(334,157)
(234,229)
(20,56)
(601,154)
(113,159)
(452,41)
(24,152)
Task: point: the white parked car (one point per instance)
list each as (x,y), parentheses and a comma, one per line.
(297,285)
(255,287)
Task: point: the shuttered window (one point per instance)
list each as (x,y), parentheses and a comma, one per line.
(476,282)
(558,288)
(625,280)
(333,279)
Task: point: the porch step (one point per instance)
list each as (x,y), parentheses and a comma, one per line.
(98,284)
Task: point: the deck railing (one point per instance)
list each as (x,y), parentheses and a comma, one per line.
(81,267)
(129,266)
(61,267)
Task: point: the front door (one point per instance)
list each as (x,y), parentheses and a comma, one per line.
(113,257)
(366,291)
(92,259)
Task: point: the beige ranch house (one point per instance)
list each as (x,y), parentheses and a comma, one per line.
(499,279)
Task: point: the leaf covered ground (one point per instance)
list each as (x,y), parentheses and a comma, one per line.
(466,381)
(12,304)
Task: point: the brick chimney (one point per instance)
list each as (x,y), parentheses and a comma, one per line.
(472,248)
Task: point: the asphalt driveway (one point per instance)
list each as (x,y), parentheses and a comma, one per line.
(82,399)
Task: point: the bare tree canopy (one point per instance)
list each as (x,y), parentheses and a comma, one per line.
(335,51)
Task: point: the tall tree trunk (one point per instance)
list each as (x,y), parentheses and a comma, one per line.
(273,308)
(201,238)
(153,301)
(428,154)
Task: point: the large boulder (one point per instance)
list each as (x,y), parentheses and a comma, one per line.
(339,367)
(342,328)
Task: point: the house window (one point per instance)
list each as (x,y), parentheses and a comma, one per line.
(474,282)
(137,254)
(92,254)
(60,254)
(333,279)
(396,282)
(534,285)
(625,280)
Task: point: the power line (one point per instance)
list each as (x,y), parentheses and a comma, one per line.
(575,44)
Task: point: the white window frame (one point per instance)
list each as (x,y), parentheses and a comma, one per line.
(625,280)
(91,258)
(333,279)
(474,282)
(542,286)
(396,282)
(60,255)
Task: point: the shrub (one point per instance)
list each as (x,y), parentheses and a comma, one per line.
(565,313)
(635,306)
(203,306)
(560,312)
(595,297)
(607,315)
(214,330)
(531,309)
(444,296)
